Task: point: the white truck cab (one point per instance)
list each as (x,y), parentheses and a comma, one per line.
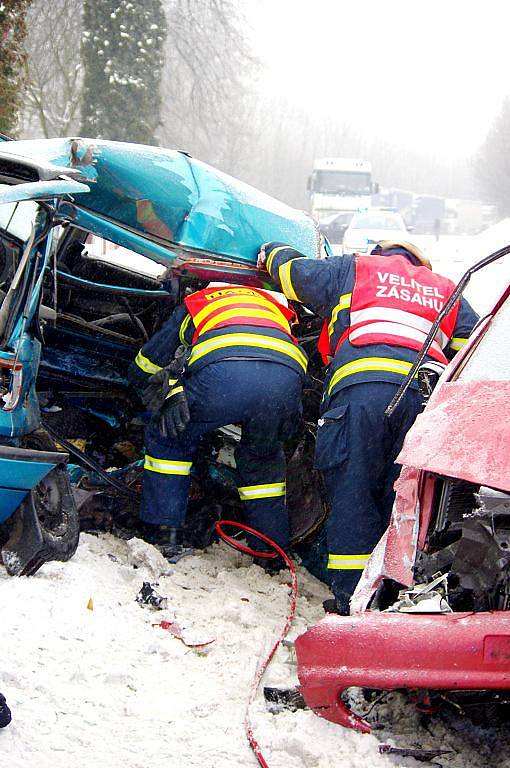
(339,184)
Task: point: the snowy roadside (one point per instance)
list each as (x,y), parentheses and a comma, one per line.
(104,687)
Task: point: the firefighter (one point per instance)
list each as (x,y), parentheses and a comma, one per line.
(378,310)
(243,366)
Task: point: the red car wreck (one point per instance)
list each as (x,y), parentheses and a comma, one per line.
(432,610)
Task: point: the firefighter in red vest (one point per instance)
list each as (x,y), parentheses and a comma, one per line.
(378,310)
(243,366)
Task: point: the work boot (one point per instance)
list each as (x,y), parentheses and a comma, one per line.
(338,605)
(169,540)
(5,712)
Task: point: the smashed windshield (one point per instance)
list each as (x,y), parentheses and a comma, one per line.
(17,218)
(342,183)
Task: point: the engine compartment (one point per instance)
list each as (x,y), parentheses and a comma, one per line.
(463,563)
(104,312)
(469,542)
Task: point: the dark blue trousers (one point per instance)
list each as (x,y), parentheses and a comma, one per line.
(356,449)
(265,398)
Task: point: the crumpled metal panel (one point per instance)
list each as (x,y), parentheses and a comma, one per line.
(40,190)
(464,433)
(170,196)
(463,651)
(394,555)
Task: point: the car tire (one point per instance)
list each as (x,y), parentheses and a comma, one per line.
(54,504)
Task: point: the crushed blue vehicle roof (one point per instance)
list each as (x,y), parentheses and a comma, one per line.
(173,199)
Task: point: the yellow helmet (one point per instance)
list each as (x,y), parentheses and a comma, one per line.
(386,245)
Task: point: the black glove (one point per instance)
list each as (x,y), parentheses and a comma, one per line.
(160,384)
(174,414)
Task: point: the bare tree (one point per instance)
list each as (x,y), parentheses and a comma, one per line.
(54,69)
(207,81)
(493,161)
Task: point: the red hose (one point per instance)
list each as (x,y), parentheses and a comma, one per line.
(294,586)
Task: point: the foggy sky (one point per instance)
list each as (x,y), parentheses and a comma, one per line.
(431,75)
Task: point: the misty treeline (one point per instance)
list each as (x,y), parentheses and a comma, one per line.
(493,161)
(181,73)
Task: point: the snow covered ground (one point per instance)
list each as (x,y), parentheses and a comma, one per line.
(92,683)
(103,687)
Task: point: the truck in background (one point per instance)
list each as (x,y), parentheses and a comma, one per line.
(399,200)
(428,212)
(340,185)
(468,217)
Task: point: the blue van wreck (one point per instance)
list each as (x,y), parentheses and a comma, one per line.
(99,242)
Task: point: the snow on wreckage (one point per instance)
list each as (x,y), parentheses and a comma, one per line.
(120,233)
(79,304)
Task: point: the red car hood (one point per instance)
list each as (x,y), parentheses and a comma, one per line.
(464,433)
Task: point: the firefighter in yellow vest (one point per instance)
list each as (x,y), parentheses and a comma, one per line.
(243,367)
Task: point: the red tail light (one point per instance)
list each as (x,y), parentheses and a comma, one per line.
(11,384)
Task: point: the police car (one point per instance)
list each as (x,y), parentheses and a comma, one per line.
(369,227)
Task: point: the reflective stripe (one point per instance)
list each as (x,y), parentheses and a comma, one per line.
(174,391)
(391,329)
(267,314)
(344,303)
(234,300)
(399,316)
(347,562)
(247,340)
(183,329)
(285,279)
(369,364)
(264,491)
(167,466)
(145,364)
(272,254)
(457,343)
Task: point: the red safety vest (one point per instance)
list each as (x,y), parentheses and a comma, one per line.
(394,302)
(213,308)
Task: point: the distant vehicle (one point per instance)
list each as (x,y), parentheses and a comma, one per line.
(426,211)
(369,227)
(339,185)
(334,227)
(400,200)
(468,217)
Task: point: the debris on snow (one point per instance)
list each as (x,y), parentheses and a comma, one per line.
(104,687)
(143,555)
(148,596)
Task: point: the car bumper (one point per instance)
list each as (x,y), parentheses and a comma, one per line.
(457,651)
